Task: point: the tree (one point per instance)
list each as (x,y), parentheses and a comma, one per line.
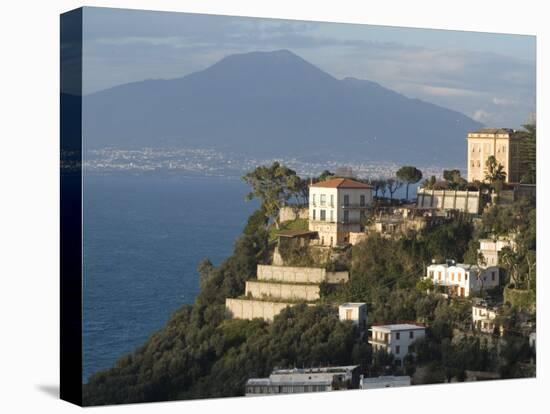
(205,269)
(325,175)
(383,187)
(299,188)
(454,180)
(429,182)
(409,175)
(273,186)
(495,171)
(528,153)
(393,185)
(378,185)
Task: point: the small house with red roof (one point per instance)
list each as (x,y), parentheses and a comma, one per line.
(336,208)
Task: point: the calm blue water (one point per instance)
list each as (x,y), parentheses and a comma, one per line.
(143,240)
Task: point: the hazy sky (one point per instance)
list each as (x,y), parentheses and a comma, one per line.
(490,77)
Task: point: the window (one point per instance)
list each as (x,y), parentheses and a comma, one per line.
(411,334)
(431,274)
(346,200)
(458,277)
(314,199)
(346,216)
(313,216)
(452,276)
(493,276)
(398,336)
(331,215)
(323,199)
(323,215)
(465,276)
(362,200)
(348,314)
(397,350)
(332,200)
(439,275)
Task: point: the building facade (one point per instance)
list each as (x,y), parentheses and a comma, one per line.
(293,381)
(396,339)
(385,381)
(484,317)
(336,208)
(356,312)
(490,248)
(463,201)
(463,279)
(503,144)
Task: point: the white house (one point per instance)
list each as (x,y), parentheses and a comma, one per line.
(463,279)
(490,248)
(386,381)
(396,339)
(336,208)
(355,312)
(484,317)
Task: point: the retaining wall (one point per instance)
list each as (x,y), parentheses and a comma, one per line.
(283,291)
(299,274)
(250,309)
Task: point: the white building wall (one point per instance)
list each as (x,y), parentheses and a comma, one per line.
(466,281)
(327,212)
(398,341)
(355,312)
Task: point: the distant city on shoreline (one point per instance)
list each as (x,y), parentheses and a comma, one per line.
(210,162)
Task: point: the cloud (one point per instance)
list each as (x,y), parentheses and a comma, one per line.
(123,46)
(482,116)
(504,102)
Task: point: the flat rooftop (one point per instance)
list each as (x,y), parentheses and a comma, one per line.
(314,370)
(353,304)
(397,327)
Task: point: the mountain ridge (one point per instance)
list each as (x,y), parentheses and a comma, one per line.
(275,104)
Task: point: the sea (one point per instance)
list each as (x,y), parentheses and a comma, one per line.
(143,239)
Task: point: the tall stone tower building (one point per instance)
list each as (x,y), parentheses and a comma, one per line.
(503,144)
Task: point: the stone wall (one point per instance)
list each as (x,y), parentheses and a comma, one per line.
(250,309)
(285,291)
(299,274)
(290,213)
(357,237)
(337,277)
(465,201)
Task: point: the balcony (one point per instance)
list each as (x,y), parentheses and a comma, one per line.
(378,341)
(354,206)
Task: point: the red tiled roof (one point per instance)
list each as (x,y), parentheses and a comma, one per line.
(341,183)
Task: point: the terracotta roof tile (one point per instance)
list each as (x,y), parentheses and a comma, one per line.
(341,183)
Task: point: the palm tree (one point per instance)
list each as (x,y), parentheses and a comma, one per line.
(495,170)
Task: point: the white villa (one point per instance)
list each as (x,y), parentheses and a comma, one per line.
(463,279)
(355,312)
(483,317)
(336,208)
(491,247)
(396,338)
